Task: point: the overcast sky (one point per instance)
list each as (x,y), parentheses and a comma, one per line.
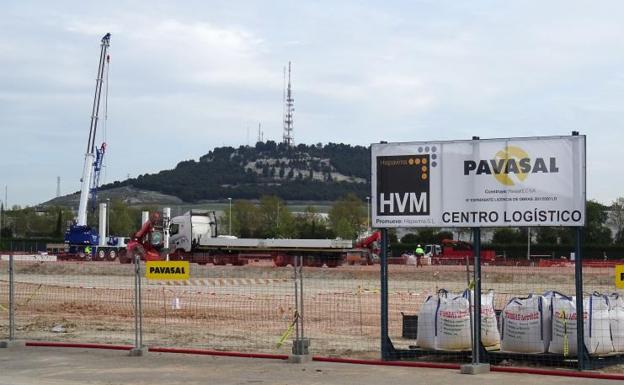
(188,76)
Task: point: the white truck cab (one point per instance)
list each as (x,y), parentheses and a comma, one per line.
(188,230)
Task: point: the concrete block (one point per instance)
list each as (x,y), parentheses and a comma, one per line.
(301,346)
(138,352)
(299,358)
(474,369)
(5,344)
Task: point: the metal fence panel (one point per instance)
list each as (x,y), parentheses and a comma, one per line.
(231,308)
(74,301)
(413,325)
(4,297)
(342,311)
(604,315)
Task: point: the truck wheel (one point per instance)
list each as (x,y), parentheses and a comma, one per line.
(112,255)
(331,264)
(282,260)
(101,254)
(123,256)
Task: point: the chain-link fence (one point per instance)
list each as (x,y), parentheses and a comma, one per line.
(232,308)
(342,311)
(90,302)
(428,311)
(4,298)
(527,312)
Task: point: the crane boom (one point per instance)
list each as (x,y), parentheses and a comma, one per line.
(90,155)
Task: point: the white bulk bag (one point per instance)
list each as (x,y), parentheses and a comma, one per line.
(597,327)
(563,313)
(453,324)
(427,322)
(616,318)
(525,325)
(490,336)
(596,321)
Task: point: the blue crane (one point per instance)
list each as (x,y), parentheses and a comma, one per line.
(80,235)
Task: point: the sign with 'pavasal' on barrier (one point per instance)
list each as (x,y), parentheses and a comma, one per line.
(537,181)
(619,276)
(167,270)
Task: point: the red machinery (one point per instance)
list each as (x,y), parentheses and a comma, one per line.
(145,243)
(366,251)
(455,252)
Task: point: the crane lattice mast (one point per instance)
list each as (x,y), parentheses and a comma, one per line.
(93,155)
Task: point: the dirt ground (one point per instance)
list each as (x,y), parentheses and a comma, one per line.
(249,308)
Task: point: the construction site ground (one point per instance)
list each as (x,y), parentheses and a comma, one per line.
(67,366)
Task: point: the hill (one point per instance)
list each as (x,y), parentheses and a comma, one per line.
(305,172)
(127,194)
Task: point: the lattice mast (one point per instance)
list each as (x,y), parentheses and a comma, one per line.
(289,109)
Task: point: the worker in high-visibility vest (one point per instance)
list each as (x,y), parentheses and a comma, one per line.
(420,253)
(88,251)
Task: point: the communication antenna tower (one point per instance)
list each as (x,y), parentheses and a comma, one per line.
(58,186)
(289,109)
(260,133)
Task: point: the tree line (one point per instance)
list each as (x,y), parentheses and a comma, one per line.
(272,218)
(52,222)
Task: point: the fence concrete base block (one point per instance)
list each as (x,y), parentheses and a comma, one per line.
(299,358)
(474,368)
(10,343)
(138,352)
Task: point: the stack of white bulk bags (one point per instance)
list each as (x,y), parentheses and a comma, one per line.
(616,317)
(453,323)
(525,325)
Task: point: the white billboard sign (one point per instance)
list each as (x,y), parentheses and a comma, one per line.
(536,181)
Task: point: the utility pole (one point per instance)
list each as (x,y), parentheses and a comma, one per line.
(230,218)
(289,109)
(58,186)
(528,243)
(367,213)
(1,214)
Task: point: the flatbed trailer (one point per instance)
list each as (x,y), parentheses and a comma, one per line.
(238,251)
(194,237)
